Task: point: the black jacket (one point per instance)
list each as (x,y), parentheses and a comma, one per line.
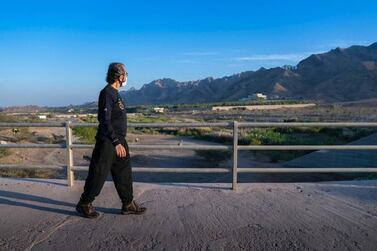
(112,116)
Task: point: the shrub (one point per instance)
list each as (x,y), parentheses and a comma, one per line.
(44,139)
(22,133)
(4,152)
(86,134)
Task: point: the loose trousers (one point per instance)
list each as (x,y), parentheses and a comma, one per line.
(104,159)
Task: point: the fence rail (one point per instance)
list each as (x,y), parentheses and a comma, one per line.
(235,126)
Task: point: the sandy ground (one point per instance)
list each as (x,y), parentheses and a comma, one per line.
(142,158)
(39,215)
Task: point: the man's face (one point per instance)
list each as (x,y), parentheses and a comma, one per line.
(124,76)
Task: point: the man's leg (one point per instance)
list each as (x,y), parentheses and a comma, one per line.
(122,176)
(100,164)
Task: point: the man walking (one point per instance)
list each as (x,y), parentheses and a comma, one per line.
(111,152)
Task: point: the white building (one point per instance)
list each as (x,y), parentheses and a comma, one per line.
(255,96)
(259,96)
(158,109)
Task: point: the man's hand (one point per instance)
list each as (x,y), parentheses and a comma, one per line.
(120,150)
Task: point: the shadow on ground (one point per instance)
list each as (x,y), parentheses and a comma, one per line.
(13,199)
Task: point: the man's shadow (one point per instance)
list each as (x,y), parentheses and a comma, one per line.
(7,196)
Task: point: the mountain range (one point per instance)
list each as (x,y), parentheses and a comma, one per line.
(342,74)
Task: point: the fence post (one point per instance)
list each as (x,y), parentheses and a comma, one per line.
(235,155)
(68,134)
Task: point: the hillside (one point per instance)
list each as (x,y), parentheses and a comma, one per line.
(338,75)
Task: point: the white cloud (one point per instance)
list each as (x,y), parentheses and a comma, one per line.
(186,61)
(200,53)
(274,57)
(345,43)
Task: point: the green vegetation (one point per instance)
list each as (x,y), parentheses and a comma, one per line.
(302,136)
(255,136)
(22,133)
(8,118)
(45,140)
(298,136)
(193,132)
(148,109)
(149,119)
(4,152)
(86,134)
(279,136)
(89,119)
(217,135)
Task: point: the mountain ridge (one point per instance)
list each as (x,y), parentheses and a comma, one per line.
(341,74)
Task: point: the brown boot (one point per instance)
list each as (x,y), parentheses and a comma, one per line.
(86,210)
(132,208)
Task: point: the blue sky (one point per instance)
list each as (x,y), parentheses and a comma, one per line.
(56,53)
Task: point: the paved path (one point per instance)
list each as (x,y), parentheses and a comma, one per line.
(39,215)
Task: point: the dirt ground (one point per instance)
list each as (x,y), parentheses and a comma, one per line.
(156,158)
(39,215)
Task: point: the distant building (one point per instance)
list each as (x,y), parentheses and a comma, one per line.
(255,96)
(259,96)
(158,109)
(71,110)
(42,117)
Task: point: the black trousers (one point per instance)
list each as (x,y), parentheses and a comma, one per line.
(104,159)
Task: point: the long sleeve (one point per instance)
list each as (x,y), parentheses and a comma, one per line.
(105,109)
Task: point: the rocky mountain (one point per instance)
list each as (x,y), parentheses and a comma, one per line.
(23,109)
(338,75)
